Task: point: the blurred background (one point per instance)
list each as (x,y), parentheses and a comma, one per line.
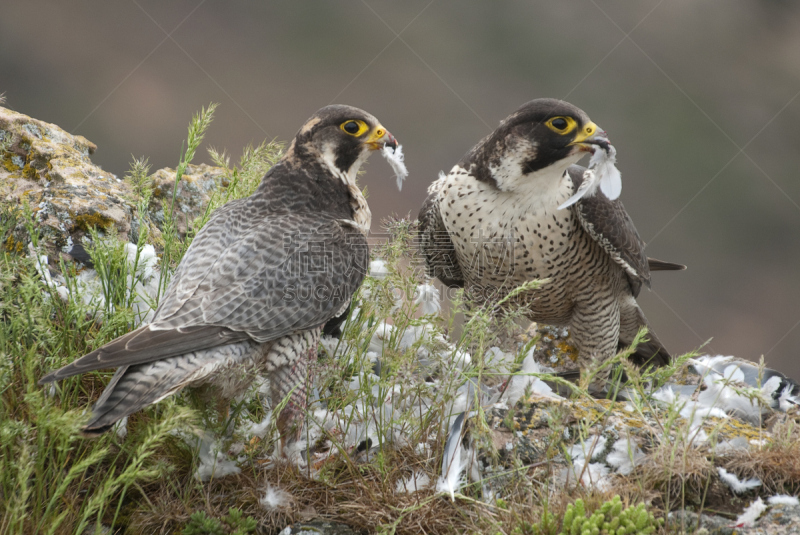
(701,99)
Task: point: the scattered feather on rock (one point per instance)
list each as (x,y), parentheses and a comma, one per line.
(525,380)
(783,499)
(750,515)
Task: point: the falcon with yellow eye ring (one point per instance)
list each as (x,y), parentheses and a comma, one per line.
(493,223)
(240,301)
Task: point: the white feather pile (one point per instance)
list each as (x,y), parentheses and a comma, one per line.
(742,388)
(212,461)
(730,393)
(275,499)
(144,282)
(256,429)
(602,173)
(737,485)
(395,158)
(591,448)
(691,410)
(591,475)
(624,456)
(750,515)
(427,298)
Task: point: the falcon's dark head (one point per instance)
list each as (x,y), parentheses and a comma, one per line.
(341,137)
(542,136)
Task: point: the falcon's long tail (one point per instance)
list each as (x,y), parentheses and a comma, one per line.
(134,387)
(661,265)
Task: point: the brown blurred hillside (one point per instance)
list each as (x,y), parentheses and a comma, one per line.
(702,101)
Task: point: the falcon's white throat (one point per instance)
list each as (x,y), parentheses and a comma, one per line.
(542,183)
(601,173)
(328,158)
(362,214)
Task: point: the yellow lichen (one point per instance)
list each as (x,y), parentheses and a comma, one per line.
(96,220)
(567,349)
(13,245)
(30,172)
(9,164)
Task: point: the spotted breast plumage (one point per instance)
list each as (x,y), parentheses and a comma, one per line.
(494,222)
(257,284)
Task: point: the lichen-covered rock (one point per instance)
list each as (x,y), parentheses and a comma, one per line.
(51,170)
(318,527)
(777,520)
(191,198)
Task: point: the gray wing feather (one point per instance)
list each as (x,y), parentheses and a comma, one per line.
(258,280)
(290,272)
(609,225)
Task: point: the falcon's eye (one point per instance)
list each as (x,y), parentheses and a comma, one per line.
(561,125)
(354,127)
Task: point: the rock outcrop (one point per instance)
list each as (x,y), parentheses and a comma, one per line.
(51,170)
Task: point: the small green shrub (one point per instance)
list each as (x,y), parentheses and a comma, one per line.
(610,519)
(234,523)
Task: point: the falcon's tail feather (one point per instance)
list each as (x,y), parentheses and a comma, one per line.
(134,387)
(660,265)
(649,353)
(131,389)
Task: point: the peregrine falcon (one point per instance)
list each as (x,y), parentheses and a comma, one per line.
(257,284)
(494,223)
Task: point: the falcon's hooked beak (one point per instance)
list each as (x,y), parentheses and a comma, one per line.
(379,138)
(591,136)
